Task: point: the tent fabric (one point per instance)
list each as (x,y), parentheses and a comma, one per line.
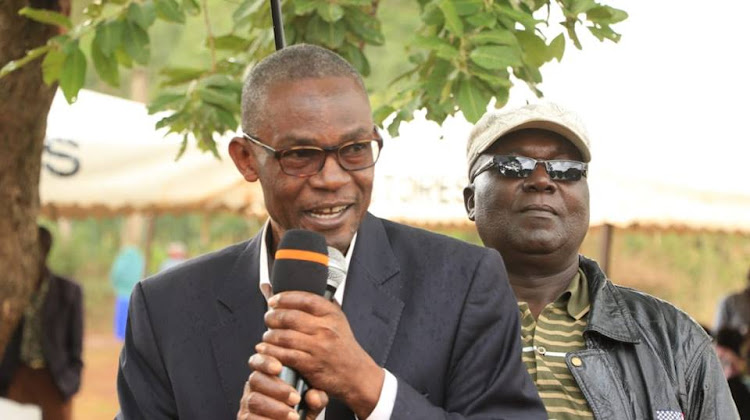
(103,157)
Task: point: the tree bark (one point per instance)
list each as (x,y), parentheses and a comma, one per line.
(24,104)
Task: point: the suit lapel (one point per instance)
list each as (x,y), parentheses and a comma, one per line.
(370,301)
(240,307)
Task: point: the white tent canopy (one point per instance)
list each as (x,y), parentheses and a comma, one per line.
(103,157)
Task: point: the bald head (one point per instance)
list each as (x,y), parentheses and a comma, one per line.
(296,62)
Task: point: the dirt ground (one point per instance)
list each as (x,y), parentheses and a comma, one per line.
(97,398)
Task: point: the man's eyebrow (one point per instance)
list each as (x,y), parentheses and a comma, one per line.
(304,140)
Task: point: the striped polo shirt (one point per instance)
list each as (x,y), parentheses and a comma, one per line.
(547,340)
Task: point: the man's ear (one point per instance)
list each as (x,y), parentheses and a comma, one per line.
(244,159)
(469,201)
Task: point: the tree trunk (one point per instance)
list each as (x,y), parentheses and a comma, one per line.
(24,104)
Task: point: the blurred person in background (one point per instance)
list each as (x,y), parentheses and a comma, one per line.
(734,311)
(728,344)
(176,254)
(42,364)
(594,349)
(127,270)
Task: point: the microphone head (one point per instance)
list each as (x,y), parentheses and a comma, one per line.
(336,267)
(301,263)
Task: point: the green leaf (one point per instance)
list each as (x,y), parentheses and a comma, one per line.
(222,81)
(109,35)
(364,25)
(191,7)
(330,12)
(494,36)
(135,42)
(46,16)
(354,2)
(73,72)
(442,49)
(105,64)
(495,57)
(226,118)
(354,55)
(303,7)
(437,79)
(164,102)
(383,112)
(604,32)
(230,42)
(534,49)
(606,15)
(179,75)
(169,10)
(123,58)
(472,100)
(557,47)
(432,15)
(142,15)
(324,33)
(468,7)
(452,20)
(525,19)
(213,96)
(496,79)
(581,6)
(482,20)
(247,8)
(52,65)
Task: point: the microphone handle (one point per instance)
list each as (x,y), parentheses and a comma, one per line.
(302,385)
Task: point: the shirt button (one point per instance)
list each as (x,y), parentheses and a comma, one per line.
(576,361)
(541,350)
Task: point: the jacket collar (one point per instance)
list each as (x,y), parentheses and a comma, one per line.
(609,315)
(371,302)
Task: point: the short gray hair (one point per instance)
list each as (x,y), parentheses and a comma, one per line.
(301,61)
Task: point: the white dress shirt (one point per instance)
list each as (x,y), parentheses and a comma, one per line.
(387,399)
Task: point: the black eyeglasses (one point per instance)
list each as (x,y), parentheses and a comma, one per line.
(522,167)
(304,161)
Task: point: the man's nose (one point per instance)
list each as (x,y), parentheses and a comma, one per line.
(539,181)
(332,176)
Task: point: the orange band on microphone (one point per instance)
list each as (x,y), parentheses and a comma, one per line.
(297,254)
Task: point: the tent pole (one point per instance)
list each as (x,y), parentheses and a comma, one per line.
(278,24)
(605,253)
(149,241)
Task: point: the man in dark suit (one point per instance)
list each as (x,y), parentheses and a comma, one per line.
(42,364)
(428,327)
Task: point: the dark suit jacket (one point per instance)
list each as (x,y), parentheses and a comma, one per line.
(62,340)
(436,312)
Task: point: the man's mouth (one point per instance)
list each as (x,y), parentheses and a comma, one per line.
(327,212)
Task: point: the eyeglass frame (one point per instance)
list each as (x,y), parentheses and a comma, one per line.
(277,153)
(490,163)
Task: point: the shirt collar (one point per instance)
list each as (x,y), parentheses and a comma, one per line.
(578,296)
(265,274)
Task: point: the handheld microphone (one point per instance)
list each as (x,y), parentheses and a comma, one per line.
(301,263)
(336,276)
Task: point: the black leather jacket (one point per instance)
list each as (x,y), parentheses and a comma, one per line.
(644,356)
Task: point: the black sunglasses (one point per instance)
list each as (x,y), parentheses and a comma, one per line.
(304,161)
(522,167)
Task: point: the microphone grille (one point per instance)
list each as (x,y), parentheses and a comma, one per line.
(336,267)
